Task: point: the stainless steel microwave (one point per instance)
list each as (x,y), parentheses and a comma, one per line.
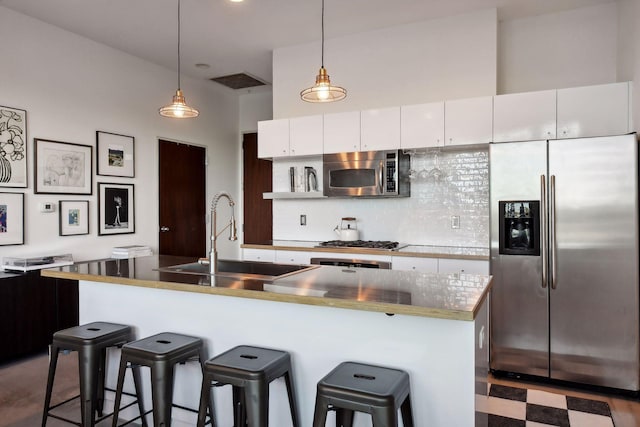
(367,174)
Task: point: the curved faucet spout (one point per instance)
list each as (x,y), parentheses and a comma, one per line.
(213,255)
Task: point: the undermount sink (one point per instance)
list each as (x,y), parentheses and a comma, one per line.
(240,269)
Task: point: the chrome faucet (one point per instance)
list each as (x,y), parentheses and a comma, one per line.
(213,255)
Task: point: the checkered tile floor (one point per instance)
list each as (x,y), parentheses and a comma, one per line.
(520,407)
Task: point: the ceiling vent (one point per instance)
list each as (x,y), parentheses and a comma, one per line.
(238,81)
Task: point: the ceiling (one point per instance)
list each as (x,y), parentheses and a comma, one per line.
(240,37)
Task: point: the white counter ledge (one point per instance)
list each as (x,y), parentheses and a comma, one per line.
(420,251)
(322,317)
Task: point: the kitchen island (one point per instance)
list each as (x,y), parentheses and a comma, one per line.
(433,326)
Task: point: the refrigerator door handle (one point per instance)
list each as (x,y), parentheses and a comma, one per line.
(543,229)
(552,228)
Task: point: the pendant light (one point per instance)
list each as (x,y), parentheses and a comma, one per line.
(178,109)
(322,91)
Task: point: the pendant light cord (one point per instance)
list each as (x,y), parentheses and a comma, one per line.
(179,44)
(322,55)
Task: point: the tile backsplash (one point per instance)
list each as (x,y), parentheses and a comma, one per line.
(460,193)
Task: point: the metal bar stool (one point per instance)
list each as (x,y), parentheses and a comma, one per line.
(91,342)
(376,390)
(249,370)
(160,352)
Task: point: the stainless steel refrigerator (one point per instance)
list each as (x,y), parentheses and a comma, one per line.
(564,256)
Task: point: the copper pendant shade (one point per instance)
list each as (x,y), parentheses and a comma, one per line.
(323,91)
(178,109)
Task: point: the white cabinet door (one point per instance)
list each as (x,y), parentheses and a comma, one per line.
(273,138)
(305,135)
(593,111)
(468,121)
(293,257)
(524,116)
(266,255)
(422,125)
(468,266)
(426,265)
(342,132)
(380,129)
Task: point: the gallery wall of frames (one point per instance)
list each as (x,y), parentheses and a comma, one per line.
(65,169)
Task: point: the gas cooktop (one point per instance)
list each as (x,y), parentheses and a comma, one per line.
(366,244)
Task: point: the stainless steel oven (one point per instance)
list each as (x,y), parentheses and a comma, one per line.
(367,174)
(341,262)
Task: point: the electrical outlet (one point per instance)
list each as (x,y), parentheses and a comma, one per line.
(303,220)
(455,221)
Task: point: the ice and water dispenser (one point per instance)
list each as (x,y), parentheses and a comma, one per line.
(519,227)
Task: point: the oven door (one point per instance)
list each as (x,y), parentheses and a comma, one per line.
(354,178)
(340,262)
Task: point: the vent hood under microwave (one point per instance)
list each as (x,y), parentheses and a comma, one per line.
(367,174)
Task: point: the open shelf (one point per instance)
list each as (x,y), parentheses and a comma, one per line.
(294,195)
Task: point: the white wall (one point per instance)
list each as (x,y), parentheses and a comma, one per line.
(447,58)
(635,35)
(254,107)
(71,87)
(567,49)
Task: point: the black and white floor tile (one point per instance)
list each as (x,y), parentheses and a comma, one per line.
(521,407)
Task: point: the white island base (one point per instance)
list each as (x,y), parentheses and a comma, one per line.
(447,360)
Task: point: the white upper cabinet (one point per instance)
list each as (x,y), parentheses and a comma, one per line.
(524,116)
(305,135)
(468,121)
(273,138)
(342,132)
(422,125)
(594,110)
(380,129)
(299,136)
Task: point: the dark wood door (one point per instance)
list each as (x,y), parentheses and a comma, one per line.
(258,215)
(182,198)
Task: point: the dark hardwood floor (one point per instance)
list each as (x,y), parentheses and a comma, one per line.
(22,386)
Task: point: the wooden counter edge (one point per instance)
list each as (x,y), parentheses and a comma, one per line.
(386,308)
(366,251)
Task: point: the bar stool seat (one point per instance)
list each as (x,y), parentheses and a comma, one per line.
(91,342)
(376,390)
(249,370)
(160,352)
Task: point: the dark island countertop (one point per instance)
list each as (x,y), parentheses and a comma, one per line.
(447,296)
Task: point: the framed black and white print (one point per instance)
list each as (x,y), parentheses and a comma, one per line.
(116,214)
(74,217)
(11,219)
(63,167)
(115,154)
(13,149)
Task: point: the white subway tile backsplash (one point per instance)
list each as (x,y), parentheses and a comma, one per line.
(422,219)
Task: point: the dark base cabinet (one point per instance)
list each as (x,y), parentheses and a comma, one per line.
(32,308)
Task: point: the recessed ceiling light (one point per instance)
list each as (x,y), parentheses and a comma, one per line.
(203,66)
(236,1)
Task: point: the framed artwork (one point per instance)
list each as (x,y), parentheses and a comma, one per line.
(13,150)
(11,219)
(63,167)
(115,154)
(116,214)
(74,217)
